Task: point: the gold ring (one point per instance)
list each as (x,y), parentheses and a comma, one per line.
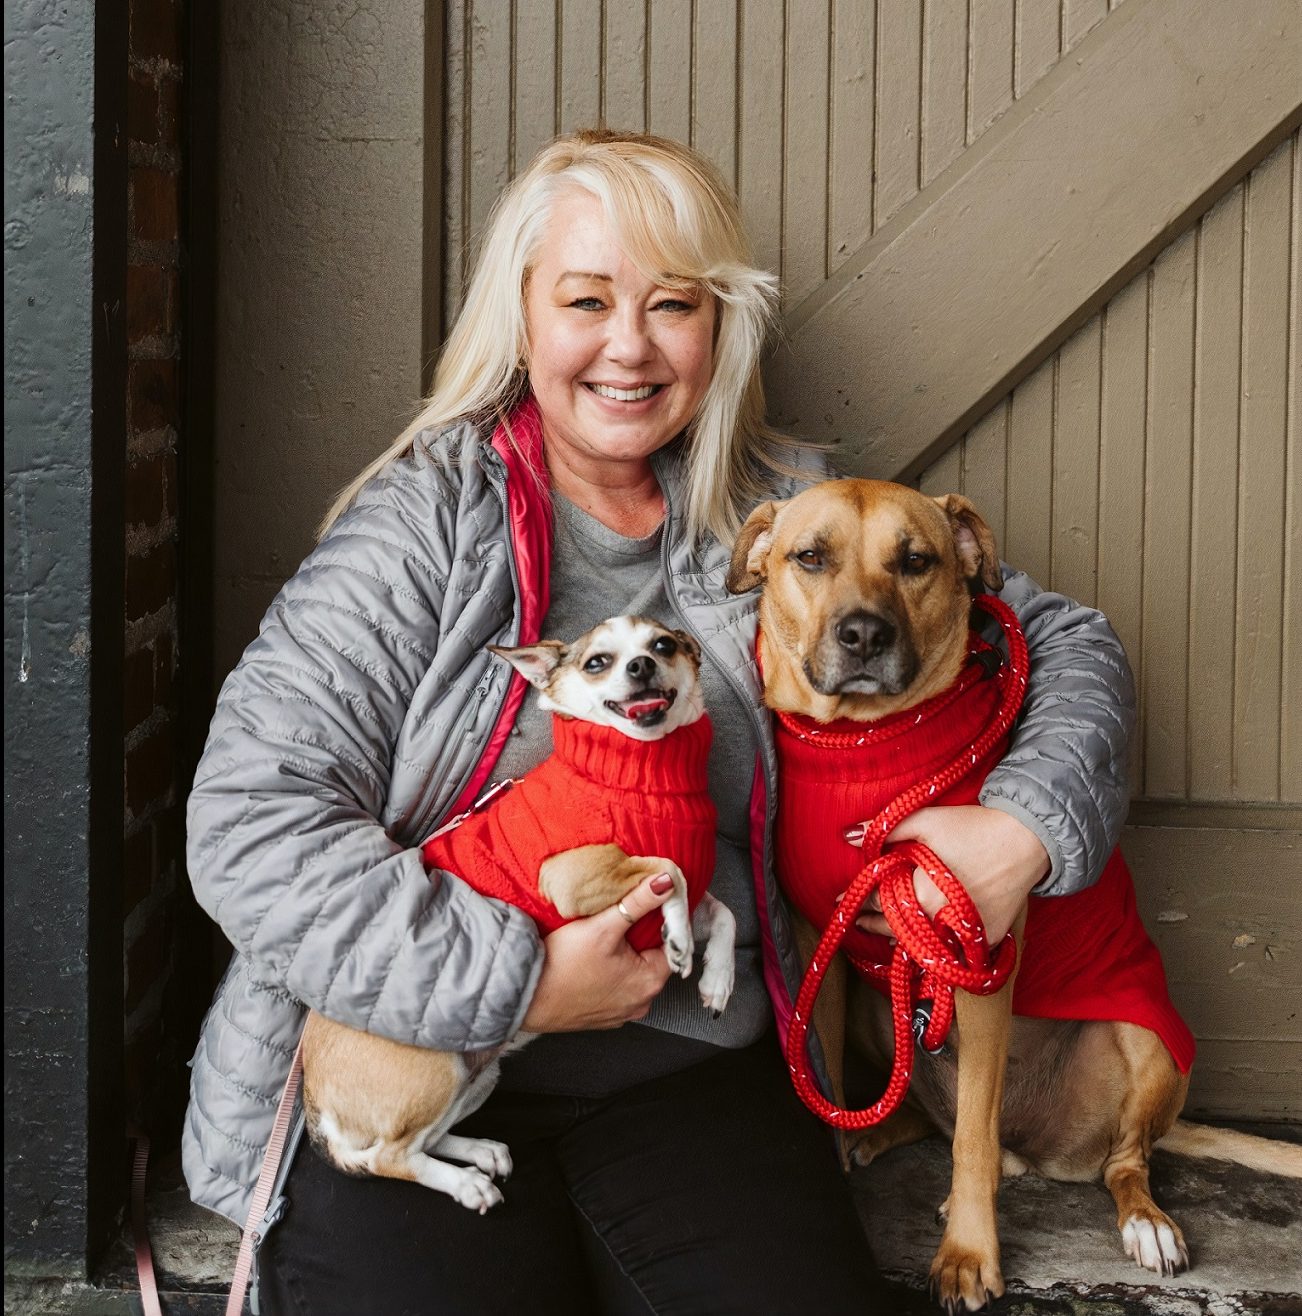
(628,918)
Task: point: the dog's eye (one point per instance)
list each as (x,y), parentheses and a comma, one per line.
(809,558)
(664,646)
(915,564)
(597,663)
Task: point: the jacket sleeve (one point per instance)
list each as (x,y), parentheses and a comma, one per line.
(1065,772)
(285,849)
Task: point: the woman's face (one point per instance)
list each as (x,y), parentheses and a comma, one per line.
(618,364)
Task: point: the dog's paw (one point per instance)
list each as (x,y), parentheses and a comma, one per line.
(1155,1242)
(476,1191)
(678,945)
(494,1158)
(964,1279)
(717,981)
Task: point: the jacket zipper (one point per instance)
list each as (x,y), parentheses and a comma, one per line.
(425,814)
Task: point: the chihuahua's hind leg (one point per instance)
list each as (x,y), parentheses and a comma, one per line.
(714,924)
(494,1158)
(407,1160)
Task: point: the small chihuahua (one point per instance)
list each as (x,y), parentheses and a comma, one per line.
(570,839)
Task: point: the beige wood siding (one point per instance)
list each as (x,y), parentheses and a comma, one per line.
(826,116)
(1152,465)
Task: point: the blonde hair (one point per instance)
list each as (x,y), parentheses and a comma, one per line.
(679,224)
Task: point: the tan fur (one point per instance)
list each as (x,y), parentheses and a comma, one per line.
(593,877)
(1265,1155)
(374,1086)
(864,526)
(1090,1099)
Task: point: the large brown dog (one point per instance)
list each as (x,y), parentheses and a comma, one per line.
(866,595)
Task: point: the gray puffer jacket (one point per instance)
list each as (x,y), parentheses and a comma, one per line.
(367,710)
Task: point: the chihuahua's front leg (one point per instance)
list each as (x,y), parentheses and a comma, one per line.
(591,878)
(714,924)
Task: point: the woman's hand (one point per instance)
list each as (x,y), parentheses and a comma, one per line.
(996,857)
(591,976)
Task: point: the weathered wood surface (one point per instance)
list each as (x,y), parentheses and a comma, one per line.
(1076,187)
(1224,906)
(1153,466)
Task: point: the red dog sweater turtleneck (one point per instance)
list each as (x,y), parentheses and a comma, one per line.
(598,787)
(1084,956)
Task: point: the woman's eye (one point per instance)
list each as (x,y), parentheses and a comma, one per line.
(665,647)
(586,304)
(597,663)
(675,304)
(810,558)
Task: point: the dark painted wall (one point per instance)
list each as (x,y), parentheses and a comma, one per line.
(64,415)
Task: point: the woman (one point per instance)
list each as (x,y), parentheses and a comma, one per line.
(595,435)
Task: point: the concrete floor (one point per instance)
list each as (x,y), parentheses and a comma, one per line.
(1061,1250)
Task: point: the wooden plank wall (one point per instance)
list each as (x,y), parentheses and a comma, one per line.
(1153,465)
(827,116)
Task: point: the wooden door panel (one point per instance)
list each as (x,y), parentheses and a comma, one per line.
(1222,902)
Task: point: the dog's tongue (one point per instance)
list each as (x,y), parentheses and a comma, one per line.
(641,707)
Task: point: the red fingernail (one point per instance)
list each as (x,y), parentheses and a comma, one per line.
(853,834)
(661,884)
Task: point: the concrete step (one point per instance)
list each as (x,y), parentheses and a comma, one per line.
(1062,1253)
(1061,1249)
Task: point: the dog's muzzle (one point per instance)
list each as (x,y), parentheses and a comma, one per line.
(646,707)
(862,652)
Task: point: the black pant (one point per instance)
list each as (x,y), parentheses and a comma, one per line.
(709,1191)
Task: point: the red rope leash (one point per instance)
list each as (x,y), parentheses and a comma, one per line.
(930,959)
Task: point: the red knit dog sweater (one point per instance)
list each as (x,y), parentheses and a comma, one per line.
(1084,956)
(598,787)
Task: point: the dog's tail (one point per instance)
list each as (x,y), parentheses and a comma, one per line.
(1264,1154)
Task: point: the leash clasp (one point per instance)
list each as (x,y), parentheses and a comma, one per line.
(482,803)
(919,1023)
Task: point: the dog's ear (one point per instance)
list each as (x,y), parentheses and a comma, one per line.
(750,553)
(975,542)
(535,662)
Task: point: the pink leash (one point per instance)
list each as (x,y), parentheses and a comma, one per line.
(266,1181)
(271,1160)
(140,1227)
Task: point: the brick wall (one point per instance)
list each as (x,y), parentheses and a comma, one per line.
(152,830)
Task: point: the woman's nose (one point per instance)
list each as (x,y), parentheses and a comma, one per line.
(629,343)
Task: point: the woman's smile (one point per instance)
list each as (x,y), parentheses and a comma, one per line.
(618,363)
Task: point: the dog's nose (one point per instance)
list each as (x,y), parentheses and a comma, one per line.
(641,668)
(864,634)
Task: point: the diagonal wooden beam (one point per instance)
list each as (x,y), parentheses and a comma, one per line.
(1124,144)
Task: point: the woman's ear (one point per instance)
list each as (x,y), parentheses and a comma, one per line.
(750,553)
(975,542)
